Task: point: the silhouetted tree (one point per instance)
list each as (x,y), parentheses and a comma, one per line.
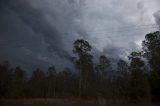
(102,70)
(128,82)
(122,81)
(64,80)
(82,48)
(138,83)
(19,83)
(122,67)
(5,80)
(37,84)
(51,82)
(151,49)
(104,66)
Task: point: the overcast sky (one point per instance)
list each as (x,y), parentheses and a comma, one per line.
(40,33)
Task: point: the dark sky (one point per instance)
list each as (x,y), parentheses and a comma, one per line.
(40,33)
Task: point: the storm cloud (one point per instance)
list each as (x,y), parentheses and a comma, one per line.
(157,18)
(40,33)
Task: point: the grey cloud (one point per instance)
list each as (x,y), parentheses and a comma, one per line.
(39,33)
(30,30)
(157,17)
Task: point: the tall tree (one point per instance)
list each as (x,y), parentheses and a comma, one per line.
(5,80)
(51,82)
(122,66)
(37,83)
(138,83)
(82,48)
(65,82)
(19,82)
(104,66)
(151,49)
(122,81)
(102,70)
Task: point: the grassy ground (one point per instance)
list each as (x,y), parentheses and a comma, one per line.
(69,102)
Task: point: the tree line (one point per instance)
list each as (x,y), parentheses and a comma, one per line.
(138,79)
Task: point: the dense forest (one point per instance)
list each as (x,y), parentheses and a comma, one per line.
(138,79)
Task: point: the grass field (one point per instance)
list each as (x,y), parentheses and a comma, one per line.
(69,102)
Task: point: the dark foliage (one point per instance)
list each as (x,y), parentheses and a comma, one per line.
(131,81)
